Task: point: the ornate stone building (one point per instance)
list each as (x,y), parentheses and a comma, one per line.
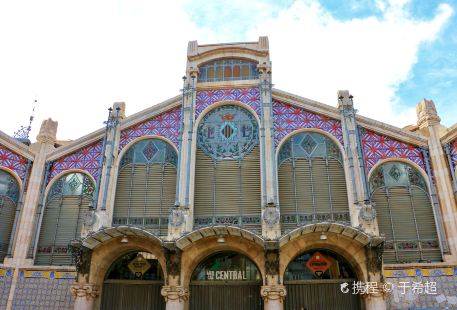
(232,195)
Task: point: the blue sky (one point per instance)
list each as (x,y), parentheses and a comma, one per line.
(77,58)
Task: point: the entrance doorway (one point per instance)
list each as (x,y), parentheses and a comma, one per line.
(132,282)
(226,281)
(315,280)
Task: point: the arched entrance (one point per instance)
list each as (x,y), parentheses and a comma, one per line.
(133,281)
(226,281)
(315,280)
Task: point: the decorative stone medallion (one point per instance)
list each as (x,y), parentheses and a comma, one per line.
(228,132)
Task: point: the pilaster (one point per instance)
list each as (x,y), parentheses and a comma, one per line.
(429,124)
(45,144)
(186,166)
(270,212)
(175,296)
(362,212)
(106,183)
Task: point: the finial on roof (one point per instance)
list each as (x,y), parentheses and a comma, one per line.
(22,134)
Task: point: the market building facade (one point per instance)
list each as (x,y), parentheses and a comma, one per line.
(232,195)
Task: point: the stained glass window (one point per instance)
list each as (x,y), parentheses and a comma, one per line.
(67,205)
(228,70)
(9,196)
(404,213)
(311,180)
(146,186)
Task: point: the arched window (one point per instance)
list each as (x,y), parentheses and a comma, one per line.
(9,196)
(312,185)
(404,212)
(68,202)
(146,186)
(227,169)
(227,70)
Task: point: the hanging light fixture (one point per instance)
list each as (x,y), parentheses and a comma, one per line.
(221,239)
(323,236)
(124,239)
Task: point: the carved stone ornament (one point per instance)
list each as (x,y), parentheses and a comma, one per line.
(81,256)
(173,261)
(89,218)
(273,292)
(272,262)
(171,292)
(176,217)
(374,257)
(87,290)
(367,213)
(271,215)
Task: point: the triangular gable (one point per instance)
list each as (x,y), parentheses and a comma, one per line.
(13,161)
(288,118)
(249,96)
(87,159)
(377,147)
(164,125)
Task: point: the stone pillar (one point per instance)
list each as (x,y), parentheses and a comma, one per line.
(85,295)
(45,144)
(375,299)
(175,296)
(270,212)
(273,296)
(429,125)
(362,212)
(187,148)
(109,169)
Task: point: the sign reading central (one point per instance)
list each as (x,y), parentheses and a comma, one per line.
(226,266)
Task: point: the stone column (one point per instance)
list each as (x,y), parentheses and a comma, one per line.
(186,165)
(273,296)
(270,212)
(85,295)
(108,175)
(429,125)
(362,212)
(45,144)
(375,301)
(175,296)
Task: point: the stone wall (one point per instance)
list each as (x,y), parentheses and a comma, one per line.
(414,288)
(44,290)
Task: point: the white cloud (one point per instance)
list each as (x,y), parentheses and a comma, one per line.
(77,58)
(314,54)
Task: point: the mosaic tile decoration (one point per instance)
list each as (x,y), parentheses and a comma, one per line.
(13,161)
(164,125)
(44,290)
(6,277)
(446,288)
(287,118)
(249,96)
(87,159)
(377,147)
(454,154)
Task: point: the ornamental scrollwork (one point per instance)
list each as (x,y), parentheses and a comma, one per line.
(81,257)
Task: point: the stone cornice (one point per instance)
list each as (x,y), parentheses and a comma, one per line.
(16,146)
(449,135)
(226,51)
(368,123)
